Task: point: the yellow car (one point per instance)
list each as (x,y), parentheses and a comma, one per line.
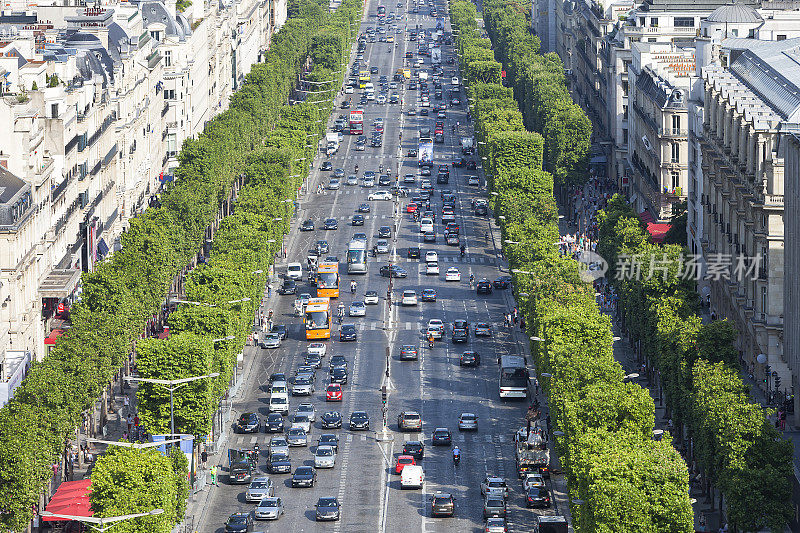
(390,39)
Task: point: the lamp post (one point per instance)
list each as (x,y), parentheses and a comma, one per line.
(101,524)
(172,385)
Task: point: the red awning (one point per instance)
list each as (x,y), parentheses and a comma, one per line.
(51,339)
(646,217)
(658,231)
(72,498)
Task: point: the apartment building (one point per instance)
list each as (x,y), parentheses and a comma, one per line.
(95,103)
(747,106)
(657,159)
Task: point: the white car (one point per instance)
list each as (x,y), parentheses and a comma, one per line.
(348,90)
(368,182)
(260,487)
(409,298)
(382,246)
(269,509)
(532,480)
(319,348)
(473,181)
(435,328)
(324,457)
(352,179)
(334,184)
(425,225)
(468,421)
(371,298)
(357,309)
(431,257)
(308,410)
(294,271)
(301,421)
(381,99)
(452,274)
(380,195)
(454,81)
(279,404)
(432,269)
(271,340)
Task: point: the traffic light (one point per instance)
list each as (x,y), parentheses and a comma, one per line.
(383,394)
(766,373)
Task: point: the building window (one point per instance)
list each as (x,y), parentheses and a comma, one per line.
(169,94)
(624,112)
(676,152)
(676,124)
(171,144)
(54,110)
(624,87)
(654,22)
(651,39)
(764,300)
(676,180)
(735,32)
(641,21)
(625,136)
(684,22)
(780,37)
(167,58)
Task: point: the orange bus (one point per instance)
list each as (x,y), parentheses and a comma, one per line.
(328,280)
(318,319)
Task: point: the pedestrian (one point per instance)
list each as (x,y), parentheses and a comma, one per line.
(782,417)
(204,458)
(136,421)
(126,401)
(214,475)
(130,423)
(547,421)
(269,291)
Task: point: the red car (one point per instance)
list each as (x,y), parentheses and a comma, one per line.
(333,393)
(411,208)
(402,461)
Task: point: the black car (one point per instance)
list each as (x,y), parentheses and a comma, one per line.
(441,437)
(240,472)
(274,423)
(304,476)
(307,225)
(384,180)
(329,439)
(281,330)
(346,104)
(279,463)
(438,138)
(327,509)
(469,358)
(364,208)
(339,375)
(239,522)
(384,232)
(358,220)
(348,332)
(481,210)
(460,335)
(484,286)
(452,239)
(537,497)
(472,165)
(359,420)
(393,271)
(289,286)
(331,420)
(502,282)
(247,423)
(428,295)
(413,252)
(277,376)
(442,178)
(412,152)
(327,165)
(331,223)
(443,504)
(429,236)
(337,361)
(414,448)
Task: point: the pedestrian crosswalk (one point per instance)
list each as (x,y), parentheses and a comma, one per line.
(374,325)
(460,437)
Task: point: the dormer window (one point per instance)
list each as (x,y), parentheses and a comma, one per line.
(156,35)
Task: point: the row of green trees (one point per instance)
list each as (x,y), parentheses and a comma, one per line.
(625,480)
(737,449)
(258,136)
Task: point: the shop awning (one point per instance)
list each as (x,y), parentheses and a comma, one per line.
(55,334)
(72,498)
(658,231)
(598,160)
(59,283)
(102,247)
(646,217)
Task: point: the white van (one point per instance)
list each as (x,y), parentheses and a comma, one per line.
(294,271)
(426,224)
(412,477)
(279,388)
(279,404)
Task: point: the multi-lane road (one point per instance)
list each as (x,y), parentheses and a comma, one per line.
(435,385)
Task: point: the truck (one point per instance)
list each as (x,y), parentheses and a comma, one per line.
(532,455)
(550,524)
(467,145)
(332,145)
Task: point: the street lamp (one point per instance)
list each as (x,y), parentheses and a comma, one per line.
(172,385)
(518,271)
(137,445)
(547,375)
(511,242)
(559,433)
(103,524)
(657,434)
(632,375)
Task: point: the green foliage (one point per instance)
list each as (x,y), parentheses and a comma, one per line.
(131,481)
(260,136)
(734,444)
(628,482)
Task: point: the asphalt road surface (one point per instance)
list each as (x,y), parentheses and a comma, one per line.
(435,385)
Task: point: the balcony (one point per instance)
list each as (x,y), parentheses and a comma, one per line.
(59,189)
(673,132)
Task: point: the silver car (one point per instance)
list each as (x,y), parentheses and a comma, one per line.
(382,246)
(278,443)
(303,385)
(493,485)
(495,525)
(324,457)
(269,509)
(260,488)
(271,340)
(297,437)
(468,421)
(358,309)
(302,422)
(308,410)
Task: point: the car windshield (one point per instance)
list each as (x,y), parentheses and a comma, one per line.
(324,452)
(467,417)
(303,470)
(327,279)
(441,500)
(300,418)
(296,432)
(328,502)
(259,485)
(278,400)
(316,320)
(405,460)
(359,416)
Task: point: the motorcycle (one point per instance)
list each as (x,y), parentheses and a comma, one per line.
(456,457)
